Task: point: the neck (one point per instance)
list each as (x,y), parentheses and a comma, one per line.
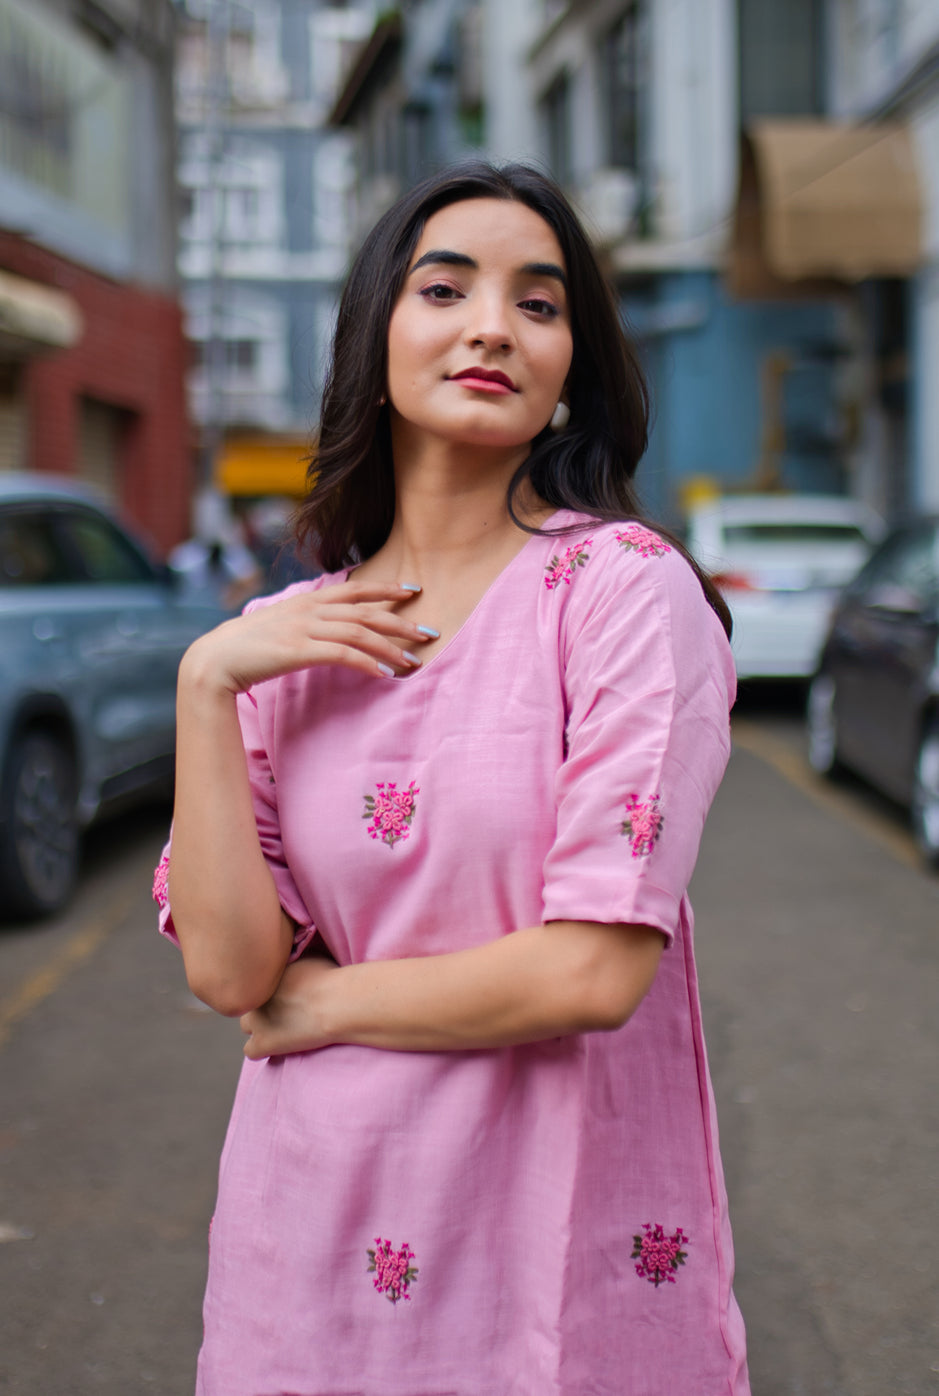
(451,511)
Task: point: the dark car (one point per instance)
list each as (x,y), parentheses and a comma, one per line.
(91,635)
(873,705)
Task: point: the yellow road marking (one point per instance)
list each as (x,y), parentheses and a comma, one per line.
(78,948)
(791,765)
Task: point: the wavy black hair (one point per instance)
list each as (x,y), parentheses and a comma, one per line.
(587,467)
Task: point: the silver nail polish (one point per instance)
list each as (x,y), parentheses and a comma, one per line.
(411,658)
(388,672)
(410,586)
(426,630)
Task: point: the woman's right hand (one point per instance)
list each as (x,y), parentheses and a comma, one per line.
(348,624)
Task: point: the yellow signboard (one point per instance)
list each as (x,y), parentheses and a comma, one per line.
(263,465)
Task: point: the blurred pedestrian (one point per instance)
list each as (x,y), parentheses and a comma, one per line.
(215,567)
(436,816)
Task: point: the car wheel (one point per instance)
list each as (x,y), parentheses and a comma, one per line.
(926,796)
(821,726)
(38,826)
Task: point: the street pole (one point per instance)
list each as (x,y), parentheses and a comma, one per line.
(216,106)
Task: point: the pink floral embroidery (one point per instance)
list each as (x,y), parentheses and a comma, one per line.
(561,569)
(636,538)
(659,1255)
(391,811)
(643,824)
(393,1269)
(160,874)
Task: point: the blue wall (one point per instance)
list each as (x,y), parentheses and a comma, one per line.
(704,352)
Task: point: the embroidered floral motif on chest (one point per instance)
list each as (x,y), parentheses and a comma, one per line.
(160,878)
(635,537)
(659,1255)
(391,811)
(392,1269)
(561,569)
(643,824)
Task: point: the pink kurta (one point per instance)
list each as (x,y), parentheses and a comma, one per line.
(545,1220)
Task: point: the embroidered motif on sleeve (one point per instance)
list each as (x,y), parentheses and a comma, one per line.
(561,569)
(659,1256)
(637,538)
(392,1269)
(160,875)
(643,824)
(391,811)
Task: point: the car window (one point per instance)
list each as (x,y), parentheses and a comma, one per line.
(905,568)
(789,533)
(30,554)
(100,551)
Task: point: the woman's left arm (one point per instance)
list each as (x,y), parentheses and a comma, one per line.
(542,982)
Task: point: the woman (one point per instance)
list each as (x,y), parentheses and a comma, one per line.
(436,815)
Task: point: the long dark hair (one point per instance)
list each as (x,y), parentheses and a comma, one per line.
(587,467)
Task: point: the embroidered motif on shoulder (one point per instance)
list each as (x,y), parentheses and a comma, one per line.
(659,1256)
(636,538)
(392,1269)
(391,811)
(643,824)
(562,568)
(160,877)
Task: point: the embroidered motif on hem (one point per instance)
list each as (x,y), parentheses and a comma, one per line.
(160,878)
(392,1269)
(561,569)
(391,811)
(639,539)
(659,1255)
(643,824)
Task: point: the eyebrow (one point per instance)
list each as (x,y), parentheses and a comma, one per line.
(460,259)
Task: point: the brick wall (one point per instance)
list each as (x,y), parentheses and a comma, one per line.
(132,356)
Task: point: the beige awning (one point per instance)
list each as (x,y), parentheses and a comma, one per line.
(825,200)
(34,317)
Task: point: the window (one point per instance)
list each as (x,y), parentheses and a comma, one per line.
(621,68)
(780,58)
(29,555)
(904,574)
(99,551)
(556,118)
(241,354)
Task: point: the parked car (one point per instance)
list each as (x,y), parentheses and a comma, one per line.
(780,561)
(91,634)
(873,705)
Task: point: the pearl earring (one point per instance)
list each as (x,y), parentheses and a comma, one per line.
(560,417)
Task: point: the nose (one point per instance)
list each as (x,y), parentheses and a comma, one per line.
(489,324)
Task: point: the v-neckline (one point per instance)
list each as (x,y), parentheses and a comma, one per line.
(468,619)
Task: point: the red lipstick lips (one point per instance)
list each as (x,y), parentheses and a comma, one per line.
(488,380)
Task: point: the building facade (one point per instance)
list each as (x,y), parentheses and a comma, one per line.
(91,346)
(265,191)
(885,67)
(664,121)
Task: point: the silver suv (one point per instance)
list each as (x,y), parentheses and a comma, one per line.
(91,634)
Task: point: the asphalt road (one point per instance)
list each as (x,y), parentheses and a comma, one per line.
(818,949)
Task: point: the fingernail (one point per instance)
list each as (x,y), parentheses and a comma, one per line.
(384,669)
(410,586)
(411,658)
(431,634)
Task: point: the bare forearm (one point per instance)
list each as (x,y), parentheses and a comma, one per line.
(233,934)
(541,982)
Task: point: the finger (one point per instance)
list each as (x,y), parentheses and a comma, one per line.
(382,621)
(387,662)
(367,591)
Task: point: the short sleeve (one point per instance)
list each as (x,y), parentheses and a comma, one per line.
(264,797)
(648,681)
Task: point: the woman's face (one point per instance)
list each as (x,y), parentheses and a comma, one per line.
(479,342)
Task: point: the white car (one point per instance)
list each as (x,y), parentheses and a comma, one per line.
(780,562)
